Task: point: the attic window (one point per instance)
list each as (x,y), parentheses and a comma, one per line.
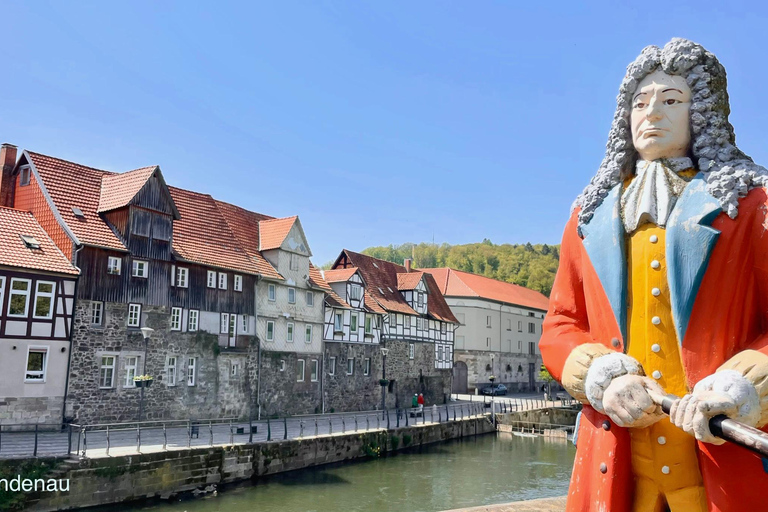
(25,176)
(78,212)
(390,289)
(375,265)
(381,291)
(30,242)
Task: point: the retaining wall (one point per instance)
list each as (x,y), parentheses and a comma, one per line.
(127,478)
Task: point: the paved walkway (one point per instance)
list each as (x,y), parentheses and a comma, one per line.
(124,439)
(542,505)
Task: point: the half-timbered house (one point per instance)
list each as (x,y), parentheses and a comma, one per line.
(417,327)
(37,299)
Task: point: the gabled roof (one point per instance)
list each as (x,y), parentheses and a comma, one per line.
(409,280)
(381,279)
(117,190)
(272,232)
(331,297)
(14,252)
(340,274)
(71,185)
(202,236)
(457,283)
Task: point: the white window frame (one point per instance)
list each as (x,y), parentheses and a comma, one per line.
(352,364)
(331,366)
(131,371)
(114,265)
(103,367)
(367,366)
(25,176)
(411,350)
(191,371)
(282,365)
(531,328)
(290,332)
(270,327)
(26,293)
(171,370)
(192,325)
(176,314)
(245,323)
(38,375)
(238,283)
(310,299)
(300,363)
(97,309)
(2,290)
(314,370)
(271,293)
(182,277)
(519,326)
(353,324)
(133,306)
(222,280)
(355,292)
(368,324)
(338,326)
(308,334)
(211,283)
(235,368)
(140,268)
(224,323)
(291,295)
(294,263)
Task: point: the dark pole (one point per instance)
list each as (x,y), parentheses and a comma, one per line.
(143,372)
(383,378)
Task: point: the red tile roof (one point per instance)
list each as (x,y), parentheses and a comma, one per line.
(202,236)
(244,224)
(272,232)
(381,284)
(117,190)
(409,280)
(456,283)
(340,274)
(15,253)
(73,185)
(331,297)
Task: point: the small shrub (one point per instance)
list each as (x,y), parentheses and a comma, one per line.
(394,441)
(407,440)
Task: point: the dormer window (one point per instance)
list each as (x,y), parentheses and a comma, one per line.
(420,299)
(355,292)
(294,261)
(77,212)
(24,176)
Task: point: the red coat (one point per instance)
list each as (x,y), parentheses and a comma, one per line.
(718,275)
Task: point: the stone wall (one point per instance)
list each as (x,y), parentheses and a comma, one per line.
(281,392)
(128,478)
(407,376)
(505,366)
(31,410)
(541,417)
(219,389)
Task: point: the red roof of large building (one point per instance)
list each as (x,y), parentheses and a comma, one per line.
(456,283)
(205,231)
(14,252)
(381,278)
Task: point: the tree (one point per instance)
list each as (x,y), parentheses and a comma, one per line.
(548,378)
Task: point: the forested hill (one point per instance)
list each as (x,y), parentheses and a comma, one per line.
(532,266)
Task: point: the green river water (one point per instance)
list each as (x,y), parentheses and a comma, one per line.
(495,468)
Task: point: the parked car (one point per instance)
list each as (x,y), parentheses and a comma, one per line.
(495,389)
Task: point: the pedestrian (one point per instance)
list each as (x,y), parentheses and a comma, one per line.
(421,402)
(415,401)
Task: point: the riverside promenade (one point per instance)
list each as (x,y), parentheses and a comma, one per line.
(542,505)
(108,440)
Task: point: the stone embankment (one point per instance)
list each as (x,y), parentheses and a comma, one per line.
(543,505)
(164,474)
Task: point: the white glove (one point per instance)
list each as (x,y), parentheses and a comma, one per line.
(628,403)
(725,392)
(602,371)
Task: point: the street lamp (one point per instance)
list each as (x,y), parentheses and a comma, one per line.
(146,332)
(384,352)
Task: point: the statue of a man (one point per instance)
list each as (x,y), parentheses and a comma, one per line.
(663,288)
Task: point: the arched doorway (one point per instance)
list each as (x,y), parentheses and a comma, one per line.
(459,377)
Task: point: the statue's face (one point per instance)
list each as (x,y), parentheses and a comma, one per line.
(660,117)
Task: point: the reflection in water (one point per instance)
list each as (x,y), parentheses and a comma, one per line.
(463,473)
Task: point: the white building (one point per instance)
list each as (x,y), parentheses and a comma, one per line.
(500,327)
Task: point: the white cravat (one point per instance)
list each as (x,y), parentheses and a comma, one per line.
(652,194)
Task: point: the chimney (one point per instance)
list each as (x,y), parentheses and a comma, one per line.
(8,161)
(407,264)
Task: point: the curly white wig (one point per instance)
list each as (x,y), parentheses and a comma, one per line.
(729,173)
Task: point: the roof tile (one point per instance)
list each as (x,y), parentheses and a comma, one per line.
(272,232)
(117,190)
(15,253)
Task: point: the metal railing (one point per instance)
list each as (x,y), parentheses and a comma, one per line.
(108,439)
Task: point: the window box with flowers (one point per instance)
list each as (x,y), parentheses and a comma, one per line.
(143,381)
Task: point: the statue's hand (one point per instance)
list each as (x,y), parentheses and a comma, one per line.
(725,392)
(628,403)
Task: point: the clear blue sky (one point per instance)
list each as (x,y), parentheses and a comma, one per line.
(375,122)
